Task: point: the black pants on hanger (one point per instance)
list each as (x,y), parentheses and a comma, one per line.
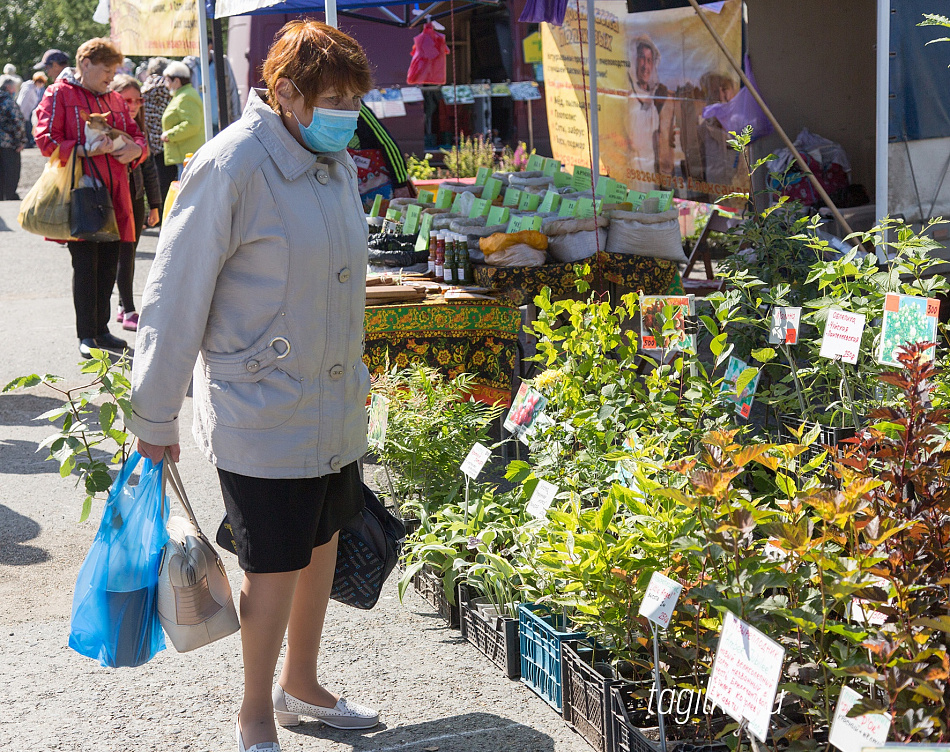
(94,268)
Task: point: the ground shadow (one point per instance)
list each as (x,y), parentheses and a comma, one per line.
(20,409)
(472,732)
(4,227)
(15,530)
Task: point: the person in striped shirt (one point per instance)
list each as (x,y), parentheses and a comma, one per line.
(380,164)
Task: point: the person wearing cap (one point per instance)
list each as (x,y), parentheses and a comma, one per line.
(183,122)
(52,64)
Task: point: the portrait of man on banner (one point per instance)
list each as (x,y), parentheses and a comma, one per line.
(650,110)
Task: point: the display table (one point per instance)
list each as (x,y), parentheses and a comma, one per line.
(521,284)
(479,337)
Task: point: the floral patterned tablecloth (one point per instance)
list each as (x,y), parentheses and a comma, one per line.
(521,284)
(479,337)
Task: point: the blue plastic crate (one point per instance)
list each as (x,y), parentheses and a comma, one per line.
(541,635)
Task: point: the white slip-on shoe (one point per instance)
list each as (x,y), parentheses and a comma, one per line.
(345,715)
(262,747)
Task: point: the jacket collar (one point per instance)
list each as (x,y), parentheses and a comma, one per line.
(290,157)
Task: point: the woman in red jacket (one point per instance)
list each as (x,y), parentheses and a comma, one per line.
(84,89)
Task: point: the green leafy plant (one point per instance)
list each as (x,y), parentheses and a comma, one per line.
(464,159)
(419,169)
(89,416)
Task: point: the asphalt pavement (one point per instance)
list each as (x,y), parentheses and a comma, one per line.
(434,691)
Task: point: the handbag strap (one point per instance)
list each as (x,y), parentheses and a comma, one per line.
(174,480)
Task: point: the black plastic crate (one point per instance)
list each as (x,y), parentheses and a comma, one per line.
(586,694)
(627,736)
(496,637)
(429,585)
(830,436)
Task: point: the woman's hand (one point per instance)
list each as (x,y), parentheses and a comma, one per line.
(152,217)
(156,453)
(128,153)
(164,138)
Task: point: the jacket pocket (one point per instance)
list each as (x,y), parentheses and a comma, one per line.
(257,387)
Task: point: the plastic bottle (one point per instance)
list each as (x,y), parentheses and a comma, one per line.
(463,261)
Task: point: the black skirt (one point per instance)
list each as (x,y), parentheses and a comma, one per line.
(275,523)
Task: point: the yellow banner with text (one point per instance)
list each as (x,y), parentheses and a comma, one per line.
(155,27)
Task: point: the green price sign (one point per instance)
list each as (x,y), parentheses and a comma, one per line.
(535,163)
(394,215)
(411,226)
(512,197)
(568,207)
(580,181)
(457,204)
(492,189)
(616,193)
(635,198)
(482,175)
(585,208)
(443,198)
(529,201)
(426,197)
(562,179)
(552,200)
(377,205)
(498,215)
(551,167)
(531,223)
(665,199)
(514,225)
(479,208)
(422,242)
(603,184)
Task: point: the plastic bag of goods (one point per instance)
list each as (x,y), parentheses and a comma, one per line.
(574,239)
(653,235)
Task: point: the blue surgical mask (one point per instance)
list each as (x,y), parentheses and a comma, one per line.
(329,130)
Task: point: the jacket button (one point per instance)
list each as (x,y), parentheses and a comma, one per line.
(335,464)
(253,365)
(323,176)
(336,372)
(344,275)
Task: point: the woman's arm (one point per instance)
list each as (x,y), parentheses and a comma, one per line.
(153,189)
(189,123)
(196,241)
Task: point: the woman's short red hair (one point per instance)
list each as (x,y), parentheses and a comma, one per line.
(317,58)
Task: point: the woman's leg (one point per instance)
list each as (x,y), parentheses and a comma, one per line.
(108,261)
(298,676)
(265,608)
(85,256)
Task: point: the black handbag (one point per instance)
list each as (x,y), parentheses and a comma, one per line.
(367,552)
(91,214)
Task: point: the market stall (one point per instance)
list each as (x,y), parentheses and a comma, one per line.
(477,337)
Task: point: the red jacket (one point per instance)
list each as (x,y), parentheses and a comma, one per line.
(58,124)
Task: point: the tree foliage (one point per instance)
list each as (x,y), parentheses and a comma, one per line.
(30,27)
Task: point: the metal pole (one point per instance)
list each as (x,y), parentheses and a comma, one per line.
(203,61)
(530,127)
(331,14)
(592,67)
(659,686)
(775,124)
(220,74)
(883,114)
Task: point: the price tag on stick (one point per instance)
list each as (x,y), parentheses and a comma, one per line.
(660,599)
(786,322)
(475,461)
(842,339)
(856,734)
(745,675)
(541,499)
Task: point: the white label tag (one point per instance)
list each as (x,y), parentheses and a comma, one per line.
(660,599)
(541,499)
(785,325)
(476,460)
(745,675)
(856,734)
(842,337)
(362,162)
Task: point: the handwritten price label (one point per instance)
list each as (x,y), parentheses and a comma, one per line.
(786,322)
(660,599)
(475,461)
(541,499)
(745,675)
(842,339)
(856,734)
(933,307)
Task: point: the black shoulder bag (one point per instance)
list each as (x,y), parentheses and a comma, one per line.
(367,552)
(91,214)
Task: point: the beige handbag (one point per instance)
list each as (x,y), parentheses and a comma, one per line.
(194,596)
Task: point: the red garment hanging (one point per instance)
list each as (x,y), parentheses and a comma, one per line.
(429,51)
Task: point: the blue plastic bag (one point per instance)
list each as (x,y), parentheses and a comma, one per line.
(115,611)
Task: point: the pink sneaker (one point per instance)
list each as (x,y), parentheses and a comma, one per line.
(120,316)
(131,321)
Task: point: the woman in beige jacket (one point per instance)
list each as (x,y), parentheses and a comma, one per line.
(259,285)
